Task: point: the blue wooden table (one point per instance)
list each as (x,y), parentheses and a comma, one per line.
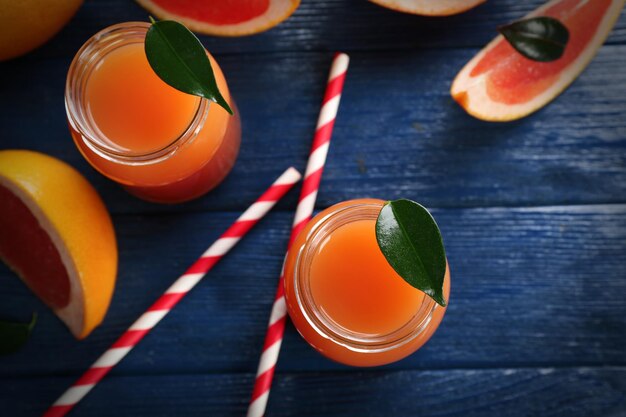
(533,214)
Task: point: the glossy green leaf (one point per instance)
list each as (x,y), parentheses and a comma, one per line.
(410,239)
(14,335)
(179,59)
(541,38)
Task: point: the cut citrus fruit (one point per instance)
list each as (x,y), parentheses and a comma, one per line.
(27,24)
(499,84)
(57,236)
(224,18)
(430,7)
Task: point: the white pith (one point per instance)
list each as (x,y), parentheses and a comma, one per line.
(430,7)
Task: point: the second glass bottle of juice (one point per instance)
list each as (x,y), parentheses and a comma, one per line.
(161,144)
(344,297)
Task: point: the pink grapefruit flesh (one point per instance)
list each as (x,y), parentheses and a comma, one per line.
(499,84)
(223,17)
(216,12)
(27,248)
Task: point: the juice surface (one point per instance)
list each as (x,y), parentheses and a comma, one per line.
(352,282)
(132,107)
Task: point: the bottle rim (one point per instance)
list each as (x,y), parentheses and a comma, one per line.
(88,56)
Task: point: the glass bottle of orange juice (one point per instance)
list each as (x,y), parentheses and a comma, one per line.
(344,297)
(161,144)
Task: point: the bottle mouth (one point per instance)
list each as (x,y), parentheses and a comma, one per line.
(79,117)
(320,321)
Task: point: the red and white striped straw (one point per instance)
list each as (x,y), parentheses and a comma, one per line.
(174,294)
(304,211)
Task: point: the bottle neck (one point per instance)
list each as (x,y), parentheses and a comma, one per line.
(90,55)
(324,325)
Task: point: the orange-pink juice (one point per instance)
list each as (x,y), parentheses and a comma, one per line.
(352,282)
(134,108)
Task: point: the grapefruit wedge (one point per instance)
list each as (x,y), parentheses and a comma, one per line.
(499,84)
(429,7)
(57,236)
(223,18)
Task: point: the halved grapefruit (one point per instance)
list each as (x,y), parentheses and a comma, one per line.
(223,18)
(430,7)
(56,234)
(499,84)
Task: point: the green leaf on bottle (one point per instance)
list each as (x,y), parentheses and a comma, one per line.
(410,240)
(541,39)
(14,335)
(179,59)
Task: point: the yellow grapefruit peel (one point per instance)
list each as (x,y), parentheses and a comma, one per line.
(28,24)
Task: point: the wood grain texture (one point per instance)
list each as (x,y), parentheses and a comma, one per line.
(546,392)
(530,287)
(324,25)
(412,136)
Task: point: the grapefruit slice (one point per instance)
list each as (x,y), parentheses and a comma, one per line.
(499,84)
(58,237)
(429,7)
(223,18)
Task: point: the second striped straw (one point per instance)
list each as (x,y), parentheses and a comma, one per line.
(164,304)
(304,212)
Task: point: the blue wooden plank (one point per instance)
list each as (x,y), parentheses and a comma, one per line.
(324,25)
(398,132)
(530,287)
(463,393)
